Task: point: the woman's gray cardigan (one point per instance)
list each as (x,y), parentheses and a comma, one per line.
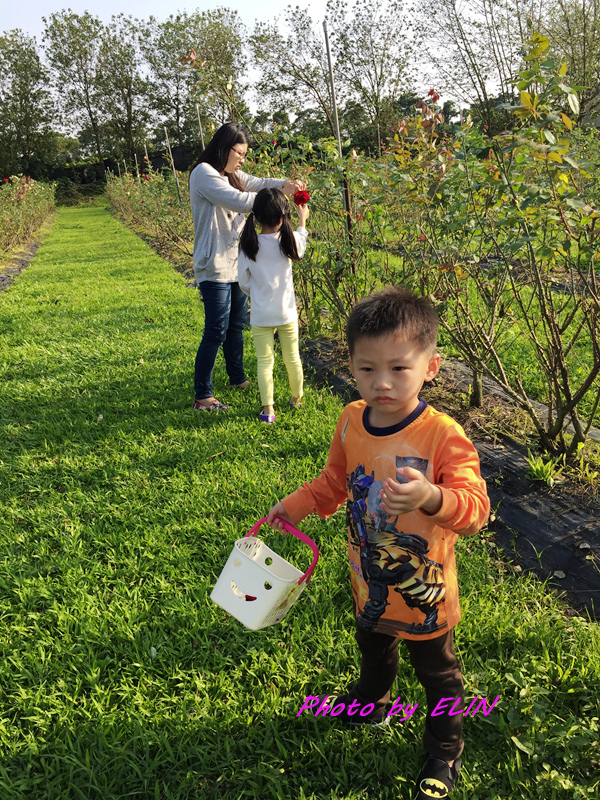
(217,211)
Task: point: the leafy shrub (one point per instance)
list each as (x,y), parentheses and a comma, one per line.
(508,249)
(150,201)
(73,193)
(24,205)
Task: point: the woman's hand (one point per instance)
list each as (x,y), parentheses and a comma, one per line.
(291,187)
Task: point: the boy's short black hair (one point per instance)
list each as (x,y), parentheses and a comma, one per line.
(394,310)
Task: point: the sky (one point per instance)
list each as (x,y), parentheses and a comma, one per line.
(27,14)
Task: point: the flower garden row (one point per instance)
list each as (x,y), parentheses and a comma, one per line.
(501,232)
(24,205)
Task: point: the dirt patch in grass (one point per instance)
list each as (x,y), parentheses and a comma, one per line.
(13,263)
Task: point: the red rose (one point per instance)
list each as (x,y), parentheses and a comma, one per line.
(431,92)
(301,198)
(422,237)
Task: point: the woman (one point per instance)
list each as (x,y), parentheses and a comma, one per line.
(220,194)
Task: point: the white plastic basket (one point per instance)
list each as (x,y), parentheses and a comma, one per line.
(257,586)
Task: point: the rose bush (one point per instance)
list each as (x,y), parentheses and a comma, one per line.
(24,205)
(149,203)
(500,231)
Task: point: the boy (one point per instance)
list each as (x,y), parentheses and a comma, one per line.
(411,481)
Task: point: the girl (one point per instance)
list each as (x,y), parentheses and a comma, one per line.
(219,192)
(265,274)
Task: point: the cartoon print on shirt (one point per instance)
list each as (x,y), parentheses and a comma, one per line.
(359,485)
(389,557)
(414,462)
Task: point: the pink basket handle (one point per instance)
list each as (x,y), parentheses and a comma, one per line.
(299,535)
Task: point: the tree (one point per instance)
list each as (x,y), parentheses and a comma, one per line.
(63,149)
(507,246)
(72,44)
(219,40)
(25,109)
(370,55)
(573,27)
(311,123)
(169,81)
(371,46)
(472,49)
(294,70)
(214,84)
(123,91)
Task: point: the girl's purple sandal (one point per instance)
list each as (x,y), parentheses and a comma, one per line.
(270,418)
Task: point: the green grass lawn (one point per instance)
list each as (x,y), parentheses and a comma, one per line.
(118,508)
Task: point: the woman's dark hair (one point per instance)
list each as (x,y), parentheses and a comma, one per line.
(217,151)
(270,205)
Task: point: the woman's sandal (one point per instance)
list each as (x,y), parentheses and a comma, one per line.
(270,418)
(296,406)
(216,406)
(241,386)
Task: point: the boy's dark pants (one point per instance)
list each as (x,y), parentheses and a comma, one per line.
(438,670)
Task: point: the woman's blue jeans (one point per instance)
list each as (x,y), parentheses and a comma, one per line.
(225,313)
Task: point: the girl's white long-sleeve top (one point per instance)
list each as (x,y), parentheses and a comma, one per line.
(268,281)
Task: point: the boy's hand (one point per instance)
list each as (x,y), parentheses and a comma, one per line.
(417,492)
(278,511)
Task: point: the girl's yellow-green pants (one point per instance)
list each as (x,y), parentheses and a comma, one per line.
(265,357)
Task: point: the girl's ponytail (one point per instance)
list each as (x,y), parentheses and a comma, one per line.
(287,240)
(249,240)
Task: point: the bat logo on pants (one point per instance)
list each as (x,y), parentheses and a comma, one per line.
(431,787)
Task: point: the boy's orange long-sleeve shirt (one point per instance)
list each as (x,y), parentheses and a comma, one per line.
(403,569)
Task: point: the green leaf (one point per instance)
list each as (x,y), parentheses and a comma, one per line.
(549,136)
(524,745)
(573,103)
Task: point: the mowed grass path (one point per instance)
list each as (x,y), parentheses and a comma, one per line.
(118,508)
